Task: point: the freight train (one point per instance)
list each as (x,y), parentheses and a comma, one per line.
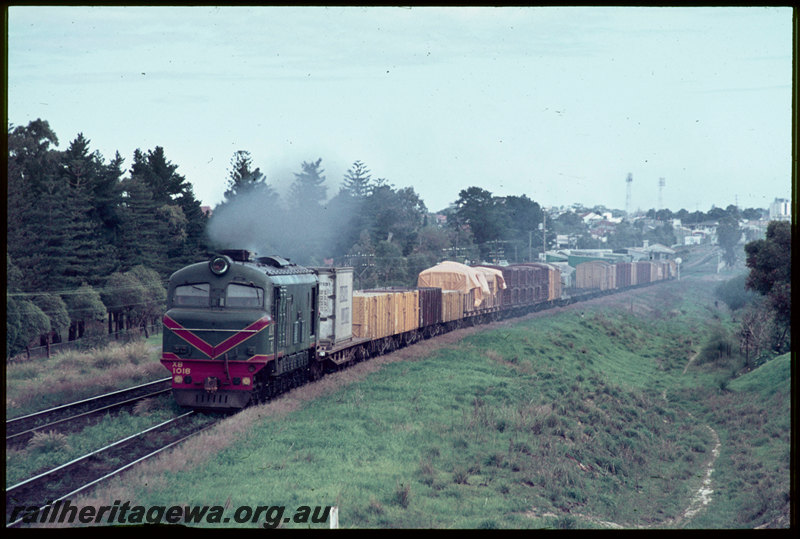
(240,329)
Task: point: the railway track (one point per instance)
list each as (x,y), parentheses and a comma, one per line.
(20,429)
(67,480)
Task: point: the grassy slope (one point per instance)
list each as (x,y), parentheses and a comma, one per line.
(752,476)
(563,421)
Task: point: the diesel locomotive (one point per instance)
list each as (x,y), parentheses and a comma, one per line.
(238,329)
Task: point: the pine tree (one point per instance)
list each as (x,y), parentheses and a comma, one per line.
(143,232)
(308,191)
(195,244)
(244,180)
(357,181)
(159,174)
(307,217)
(32,167)
(84,255)
(168,188)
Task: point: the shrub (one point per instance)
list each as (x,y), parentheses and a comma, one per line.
(460,476)
(734,293)
(719,347)
(48,442)
(402,495)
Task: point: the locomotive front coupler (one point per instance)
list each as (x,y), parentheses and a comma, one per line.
(211,384)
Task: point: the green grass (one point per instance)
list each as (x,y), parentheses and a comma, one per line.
(771,377)
(40,384)
(754,423)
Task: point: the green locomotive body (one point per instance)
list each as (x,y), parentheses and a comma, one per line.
(239,329)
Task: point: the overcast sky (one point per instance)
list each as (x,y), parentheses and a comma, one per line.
(559,104)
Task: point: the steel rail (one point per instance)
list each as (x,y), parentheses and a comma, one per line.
(15,436)
(64,407)
(96,452)
(117,471)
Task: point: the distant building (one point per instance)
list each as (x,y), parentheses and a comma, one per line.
(566,241)
(659,252)
(754,229)
(602,229)
(780,210)
(695,238)
(590,217)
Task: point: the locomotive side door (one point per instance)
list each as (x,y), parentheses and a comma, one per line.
(280,311)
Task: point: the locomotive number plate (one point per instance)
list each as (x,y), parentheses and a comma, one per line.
(178,368)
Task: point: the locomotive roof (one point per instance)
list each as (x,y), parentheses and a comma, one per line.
(266,266)
(263,266)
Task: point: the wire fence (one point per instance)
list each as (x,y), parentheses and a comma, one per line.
(86,342)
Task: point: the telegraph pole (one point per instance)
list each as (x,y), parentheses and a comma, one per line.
(530,245)
(628,182)
(544,235)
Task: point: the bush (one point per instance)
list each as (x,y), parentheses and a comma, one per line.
(718,348)
(734,293)
(402,495)
(48,442)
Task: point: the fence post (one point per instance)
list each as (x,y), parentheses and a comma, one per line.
(335,517)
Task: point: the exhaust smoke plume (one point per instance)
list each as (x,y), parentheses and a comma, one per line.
(304,232)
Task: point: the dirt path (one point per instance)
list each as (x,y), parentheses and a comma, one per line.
(699,501)
(691,360)
(703,495)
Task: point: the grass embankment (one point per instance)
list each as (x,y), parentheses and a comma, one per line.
(752,417)
(39,384)
(579,419)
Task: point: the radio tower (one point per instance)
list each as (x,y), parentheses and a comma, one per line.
(661,183)
(628,181)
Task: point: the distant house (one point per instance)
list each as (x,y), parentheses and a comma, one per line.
(566,241)
(602,229)
(694,238)
(660,252)
(754,229)
(590,217)
(703,232)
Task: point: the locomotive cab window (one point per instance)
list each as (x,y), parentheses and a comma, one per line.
(241,295)
(192,295)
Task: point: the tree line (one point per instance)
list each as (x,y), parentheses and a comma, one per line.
(89,239)
(761,299)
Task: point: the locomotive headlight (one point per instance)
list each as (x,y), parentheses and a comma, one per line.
(219,265)
(178,379)
(246,381)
